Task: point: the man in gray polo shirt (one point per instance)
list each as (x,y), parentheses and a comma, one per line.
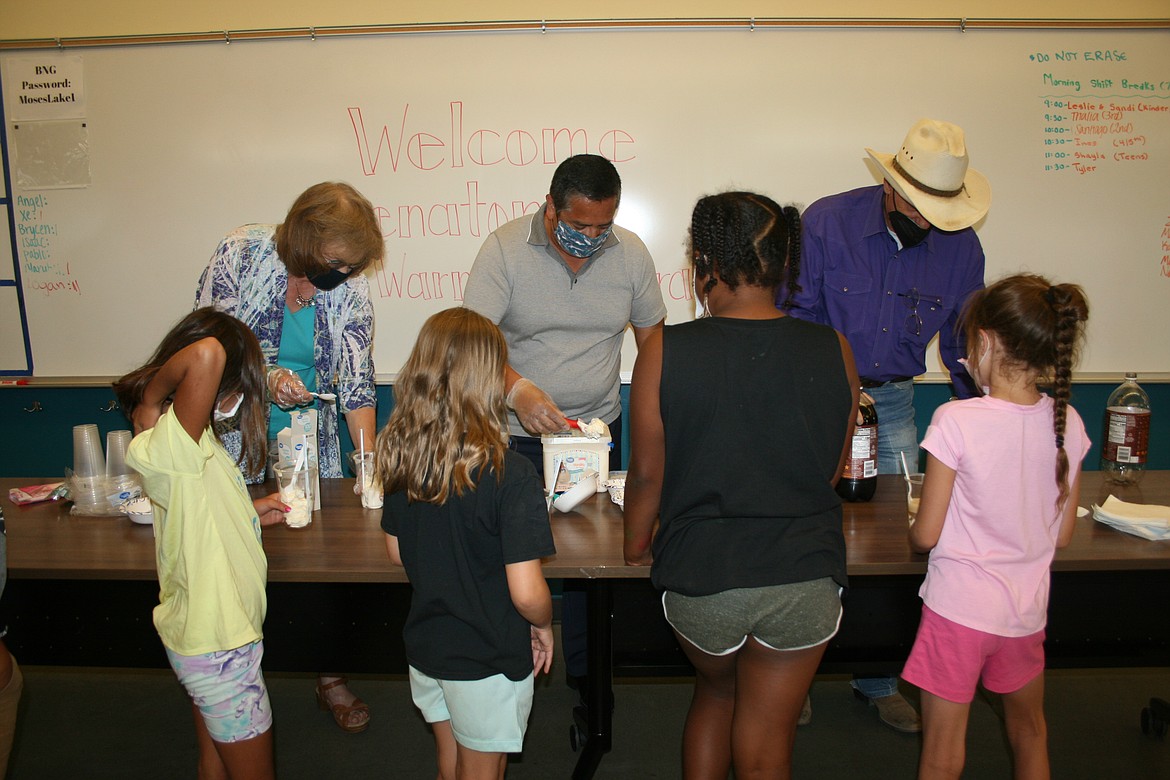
(563,284)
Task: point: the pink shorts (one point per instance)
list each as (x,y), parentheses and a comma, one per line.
(948,659)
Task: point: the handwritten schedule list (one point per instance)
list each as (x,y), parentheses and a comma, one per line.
(1099,109)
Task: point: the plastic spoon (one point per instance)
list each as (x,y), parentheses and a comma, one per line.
(326,397)
(362,456)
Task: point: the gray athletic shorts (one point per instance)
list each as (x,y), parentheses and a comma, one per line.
(783,617)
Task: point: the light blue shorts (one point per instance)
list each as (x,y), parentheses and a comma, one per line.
(228,689)
(489,715)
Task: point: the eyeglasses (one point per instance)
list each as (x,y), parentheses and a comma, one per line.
(913,298)
(337,265)
(913,322)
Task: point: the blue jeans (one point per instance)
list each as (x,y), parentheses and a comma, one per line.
(875,687)
(897,433)
(897,436)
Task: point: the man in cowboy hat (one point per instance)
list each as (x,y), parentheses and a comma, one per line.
(890,266)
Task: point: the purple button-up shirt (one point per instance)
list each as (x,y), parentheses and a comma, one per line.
(889,303)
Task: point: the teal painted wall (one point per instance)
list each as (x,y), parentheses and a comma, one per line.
(38,444)
(1088,399)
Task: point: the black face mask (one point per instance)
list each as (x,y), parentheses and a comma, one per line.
(328,280)
(906,229)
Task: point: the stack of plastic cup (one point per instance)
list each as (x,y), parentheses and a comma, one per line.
(88,487)
(87,452)
(123,483)
(117,442)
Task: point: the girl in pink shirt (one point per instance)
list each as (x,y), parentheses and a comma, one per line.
(1000,495)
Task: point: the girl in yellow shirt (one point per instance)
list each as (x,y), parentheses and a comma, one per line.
(211,564)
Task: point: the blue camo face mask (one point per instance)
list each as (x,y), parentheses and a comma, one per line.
(577,243)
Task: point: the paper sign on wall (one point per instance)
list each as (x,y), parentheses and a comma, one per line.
(49,86)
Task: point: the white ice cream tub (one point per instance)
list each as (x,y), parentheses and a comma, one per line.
(578,454)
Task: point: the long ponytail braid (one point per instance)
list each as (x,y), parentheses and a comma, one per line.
(1070,307)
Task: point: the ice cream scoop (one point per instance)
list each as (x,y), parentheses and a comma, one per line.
(594,429)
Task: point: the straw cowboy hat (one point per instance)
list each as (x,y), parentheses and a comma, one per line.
(931,171)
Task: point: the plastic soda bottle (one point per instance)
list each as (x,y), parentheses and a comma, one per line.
(859,480)
(1127,432)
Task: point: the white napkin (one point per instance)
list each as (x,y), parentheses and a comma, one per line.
(1149,521)
(616,485)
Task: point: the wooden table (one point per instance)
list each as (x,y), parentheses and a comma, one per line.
(344,544)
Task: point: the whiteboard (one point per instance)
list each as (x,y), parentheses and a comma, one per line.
(451,135)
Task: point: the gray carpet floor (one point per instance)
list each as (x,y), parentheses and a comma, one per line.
(126,724)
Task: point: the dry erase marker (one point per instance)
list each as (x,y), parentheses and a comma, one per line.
(13,382)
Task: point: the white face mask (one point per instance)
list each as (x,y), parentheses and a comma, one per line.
(226,414)
(700,309)
(976,371)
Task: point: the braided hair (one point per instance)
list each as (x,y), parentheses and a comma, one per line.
(744,238)
(1040,326)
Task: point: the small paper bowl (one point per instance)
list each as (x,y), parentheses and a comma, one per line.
(139,511)
(585,487)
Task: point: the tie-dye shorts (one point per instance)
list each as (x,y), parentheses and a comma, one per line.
(228,688)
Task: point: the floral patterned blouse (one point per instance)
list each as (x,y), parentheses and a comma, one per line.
(247,279)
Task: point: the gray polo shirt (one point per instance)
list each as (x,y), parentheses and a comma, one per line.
(565,330)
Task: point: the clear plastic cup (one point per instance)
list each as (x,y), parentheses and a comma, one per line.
(371,490)
(296,491)
(913,495)
(88,494)
(117,442)
(88,460)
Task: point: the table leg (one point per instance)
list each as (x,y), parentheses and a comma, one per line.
(599,669)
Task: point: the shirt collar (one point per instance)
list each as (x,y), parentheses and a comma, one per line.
(875,215)
(537,236)
(875,224)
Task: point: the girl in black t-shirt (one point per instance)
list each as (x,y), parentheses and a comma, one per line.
(467,519)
